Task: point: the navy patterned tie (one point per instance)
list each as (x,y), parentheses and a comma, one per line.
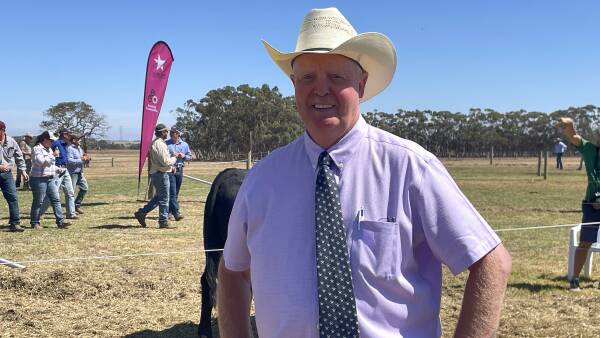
(337,308)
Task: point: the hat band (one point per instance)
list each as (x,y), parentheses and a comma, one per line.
(316,49)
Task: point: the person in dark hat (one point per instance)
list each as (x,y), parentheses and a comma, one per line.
(44,174)
(10,153)
(180,150)
(160,165)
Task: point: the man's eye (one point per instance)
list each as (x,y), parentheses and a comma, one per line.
(308,77)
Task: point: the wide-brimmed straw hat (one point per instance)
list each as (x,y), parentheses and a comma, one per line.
(327,31)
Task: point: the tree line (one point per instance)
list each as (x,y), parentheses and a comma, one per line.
(228,122)
(219,125)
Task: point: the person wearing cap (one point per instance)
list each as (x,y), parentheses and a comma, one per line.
(61,154)
(9,155)
(75,160)
(44,174)
(343,232)
(180,150)
(161,164)
(25,147)
(559,148)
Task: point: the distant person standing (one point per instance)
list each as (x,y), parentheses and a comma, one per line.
(160,164)
(75,161)
(559,149)
(26,150)
(60,152)
(180,150)
(9,154)
(44,174)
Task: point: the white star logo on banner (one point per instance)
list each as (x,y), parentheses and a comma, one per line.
(159,63)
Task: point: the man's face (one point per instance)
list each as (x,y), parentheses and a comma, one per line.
(75,141)
(328,88)
(163,134)
(175,136)
(66,137)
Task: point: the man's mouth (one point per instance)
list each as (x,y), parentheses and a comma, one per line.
(323,106)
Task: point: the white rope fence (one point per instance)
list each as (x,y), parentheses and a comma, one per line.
(197,179)
(548,226)
(20,265)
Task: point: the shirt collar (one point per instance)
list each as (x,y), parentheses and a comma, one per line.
(342,151)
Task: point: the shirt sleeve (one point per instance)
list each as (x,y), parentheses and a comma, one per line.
(188,153)
(19,160)
(73,159)
(456,233)
(236,254)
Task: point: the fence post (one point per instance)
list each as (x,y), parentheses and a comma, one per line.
(545,164)
(539,166)
(249,162)
(492,156)
(112,161)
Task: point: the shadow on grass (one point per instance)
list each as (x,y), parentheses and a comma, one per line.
(184,330)
(115,226)
(535,287)
(133,217)
(93,204)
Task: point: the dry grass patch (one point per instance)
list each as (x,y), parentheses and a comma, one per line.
(158,296)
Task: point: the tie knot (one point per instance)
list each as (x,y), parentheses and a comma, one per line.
(324,159)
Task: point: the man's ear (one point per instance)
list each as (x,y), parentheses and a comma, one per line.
(362,84)
(292,78)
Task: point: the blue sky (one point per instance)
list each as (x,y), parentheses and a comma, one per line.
(452,55)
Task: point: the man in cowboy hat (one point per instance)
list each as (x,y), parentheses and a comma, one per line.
(25,146)
(344,231)
(161,164)
(559,148)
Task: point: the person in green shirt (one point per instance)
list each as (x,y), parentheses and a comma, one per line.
(590,206)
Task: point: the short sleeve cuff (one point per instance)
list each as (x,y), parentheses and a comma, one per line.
(474,249)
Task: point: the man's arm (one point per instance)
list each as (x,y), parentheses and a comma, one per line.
(484,292)
(569,130)
(233,302)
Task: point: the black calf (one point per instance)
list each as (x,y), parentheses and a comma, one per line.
(216,218)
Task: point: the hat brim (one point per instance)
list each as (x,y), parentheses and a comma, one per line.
(373,51)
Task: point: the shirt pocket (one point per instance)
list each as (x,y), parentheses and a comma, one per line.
(10,152)
(375,248)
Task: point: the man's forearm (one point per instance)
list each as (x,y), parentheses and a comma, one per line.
(233,303)
(484,292)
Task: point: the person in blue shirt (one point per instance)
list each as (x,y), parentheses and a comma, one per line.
(181,150)
(559,149)
(60,152)
(76,158)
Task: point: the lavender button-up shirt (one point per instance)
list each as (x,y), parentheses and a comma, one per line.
(404,218)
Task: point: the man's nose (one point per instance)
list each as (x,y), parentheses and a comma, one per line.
(322,86)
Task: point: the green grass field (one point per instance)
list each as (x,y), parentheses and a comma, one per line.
(158,296)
